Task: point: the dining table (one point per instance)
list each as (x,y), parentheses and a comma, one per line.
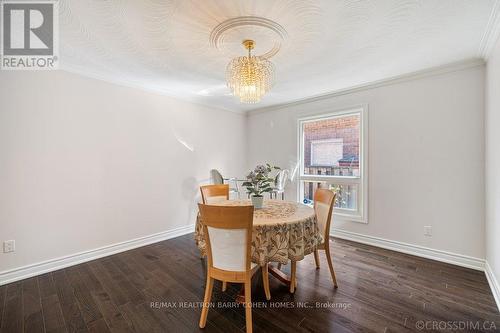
(283,231)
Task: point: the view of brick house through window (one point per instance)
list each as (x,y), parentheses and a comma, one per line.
(331,147)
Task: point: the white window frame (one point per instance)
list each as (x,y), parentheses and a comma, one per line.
(361,214)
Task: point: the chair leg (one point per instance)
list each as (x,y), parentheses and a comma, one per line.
(206,301)
(248,305)
(293,281)
(224,285)
(330,264)
(238,189)
(316,258)
(283,196)
(265,281)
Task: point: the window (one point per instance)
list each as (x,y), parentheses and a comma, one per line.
(332,154)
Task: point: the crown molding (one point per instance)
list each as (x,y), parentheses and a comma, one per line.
(124,83)
(491,33)
(447,68)
(443,69)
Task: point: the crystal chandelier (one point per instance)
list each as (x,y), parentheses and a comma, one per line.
(250,77)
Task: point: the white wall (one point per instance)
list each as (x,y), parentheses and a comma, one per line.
(426,157)
(492,122)
(85,164)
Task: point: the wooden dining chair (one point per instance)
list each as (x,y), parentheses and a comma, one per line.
(228,236)
(211,194)
(324,200)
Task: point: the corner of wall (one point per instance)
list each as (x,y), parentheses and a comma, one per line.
(492,164)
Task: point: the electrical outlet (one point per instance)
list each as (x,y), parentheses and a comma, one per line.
(9,246)
(428,230)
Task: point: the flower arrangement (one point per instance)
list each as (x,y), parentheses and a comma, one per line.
(258,180)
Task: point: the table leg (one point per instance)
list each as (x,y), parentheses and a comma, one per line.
(278,274)
(293,283)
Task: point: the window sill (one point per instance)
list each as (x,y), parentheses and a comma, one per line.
(350,218)
(344,217)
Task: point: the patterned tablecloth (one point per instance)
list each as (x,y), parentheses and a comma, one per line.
(282,231)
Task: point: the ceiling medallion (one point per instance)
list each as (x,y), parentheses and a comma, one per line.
(270,34)
(250,77)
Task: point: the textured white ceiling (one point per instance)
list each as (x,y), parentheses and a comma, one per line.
(165,45)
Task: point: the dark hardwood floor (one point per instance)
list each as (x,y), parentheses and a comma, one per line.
(157,288)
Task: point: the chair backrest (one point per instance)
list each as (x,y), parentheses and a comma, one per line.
(281,179)
(211,194)
(228,235)
(324,201)
(216,177)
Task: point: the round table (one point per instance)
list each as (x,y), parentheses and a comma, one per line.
(282,231)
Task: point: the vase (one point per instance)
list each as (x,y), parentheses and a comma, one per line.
(257,202)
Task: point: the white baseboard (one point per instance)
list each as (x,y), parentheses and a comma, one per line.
(416,250)
(78,258)
(494,285)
